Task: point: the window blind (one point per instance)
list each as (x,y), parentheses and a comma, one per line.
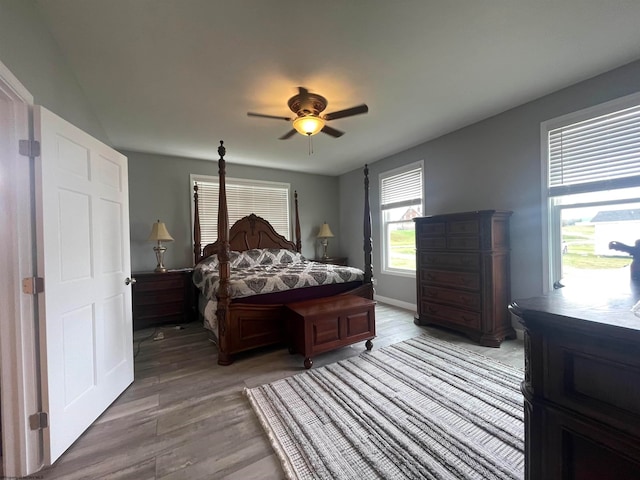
(268,200)
(402,189)
(600,153)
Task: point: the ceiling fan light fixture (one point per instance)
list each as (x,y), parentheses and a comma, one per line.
(308,125)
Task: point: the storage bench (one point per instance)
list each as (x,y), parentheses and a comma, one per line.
(324,324)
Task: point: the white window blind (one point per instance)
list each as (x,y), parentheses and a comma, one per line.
(269,200)
(400,202)
(600,153)
(402,189)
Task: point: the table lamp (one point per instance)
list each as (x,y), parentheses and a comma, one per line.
(324,234)
(160,234)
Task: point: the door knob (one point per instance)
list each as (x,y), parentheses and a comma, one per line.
(129,280)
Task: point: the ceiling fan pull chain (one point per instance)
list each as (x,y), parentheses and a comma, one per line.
(310,144)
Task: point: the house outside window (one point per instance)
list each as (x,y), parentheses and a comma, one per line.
(591,160)
(401,200)
(269,200)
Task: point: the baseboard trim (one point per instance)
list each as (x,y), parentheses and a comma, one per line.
(396,303)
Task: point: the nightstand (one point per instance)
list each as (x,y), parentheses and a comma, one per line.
(160,298)
(332,260)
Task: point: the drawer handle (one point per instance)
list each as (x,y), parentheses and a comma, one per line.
(128,281)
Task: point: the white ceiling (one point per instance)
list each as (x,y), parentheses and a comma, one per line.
(176,76)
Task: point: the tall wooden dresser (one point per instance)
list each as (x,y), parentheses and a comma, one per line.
(463,274)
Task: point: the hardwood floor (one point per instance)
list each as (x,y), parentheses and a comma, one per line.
(185,417)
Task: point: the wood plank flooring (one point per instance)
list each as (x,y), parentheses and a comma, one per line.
(185,417)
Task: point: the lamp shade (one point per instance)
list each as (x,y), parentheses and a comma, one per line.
(325,231)
(308,125)
(159,233)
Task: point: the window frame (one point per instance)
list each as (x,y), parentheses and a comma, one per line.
(551,211)
(193,178)
(385,269)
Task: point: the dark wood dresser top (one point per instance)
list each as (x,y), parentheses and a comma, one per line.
(606,305)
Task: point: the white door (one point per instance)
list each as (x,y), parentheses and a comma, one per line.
(82,212)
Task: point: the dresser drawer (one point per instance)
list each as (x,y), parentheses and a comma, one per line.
(446,314)
(159,282)
(466,261)
(432,229)
(160,297)
(426,242)
(598,382)
(466,280)
(463,243)
(457,227)
(457,298)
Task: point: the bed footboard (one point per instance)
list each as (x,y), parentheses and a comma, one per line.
(249,326)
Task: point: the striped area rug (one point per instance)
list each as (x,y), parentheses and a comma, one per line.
(422,408)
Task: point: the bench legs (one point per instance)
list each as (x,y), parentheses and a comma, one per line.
(308,362)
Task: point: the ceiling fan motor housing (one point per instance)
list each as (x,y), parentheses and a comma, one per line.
(307,103)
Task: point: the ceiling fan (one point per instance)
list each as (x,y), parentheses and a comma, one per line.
(309,120)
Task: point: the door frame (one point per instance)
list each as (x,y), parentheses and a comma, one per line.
(20,396)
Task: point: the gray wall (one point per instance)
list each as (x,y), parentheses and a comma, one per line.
(492,164)
(29,51)
(159,189)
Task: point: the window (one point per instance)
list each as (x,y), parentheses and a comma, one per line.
(400,202)
(592,163)
(269,200)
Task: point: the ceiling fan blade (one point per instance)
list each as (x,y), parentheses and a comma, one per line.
(347,112)
(251,114)
(331,131)
(289,134)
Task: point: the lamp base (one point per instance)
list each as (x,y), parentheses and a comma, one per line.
(325,244)
(160,249)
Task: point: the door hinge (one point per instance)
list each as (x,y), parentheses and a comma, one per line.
(29,148)
(38,421)
(32,285)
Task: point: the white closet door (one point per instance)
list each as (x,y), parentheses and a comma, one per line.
(83,255)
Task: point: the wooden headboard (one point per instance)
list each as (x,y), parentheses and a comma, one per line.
(251,232)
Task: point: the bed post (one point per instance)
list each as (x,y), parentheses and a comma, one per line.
(368,244)
(197,247)
(223,263)
(298,241)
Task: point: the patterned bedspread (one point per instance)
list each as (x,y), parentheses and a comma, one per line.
(261,271)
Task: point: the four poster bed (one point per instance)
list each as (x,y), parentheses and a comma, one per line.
(251,272)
